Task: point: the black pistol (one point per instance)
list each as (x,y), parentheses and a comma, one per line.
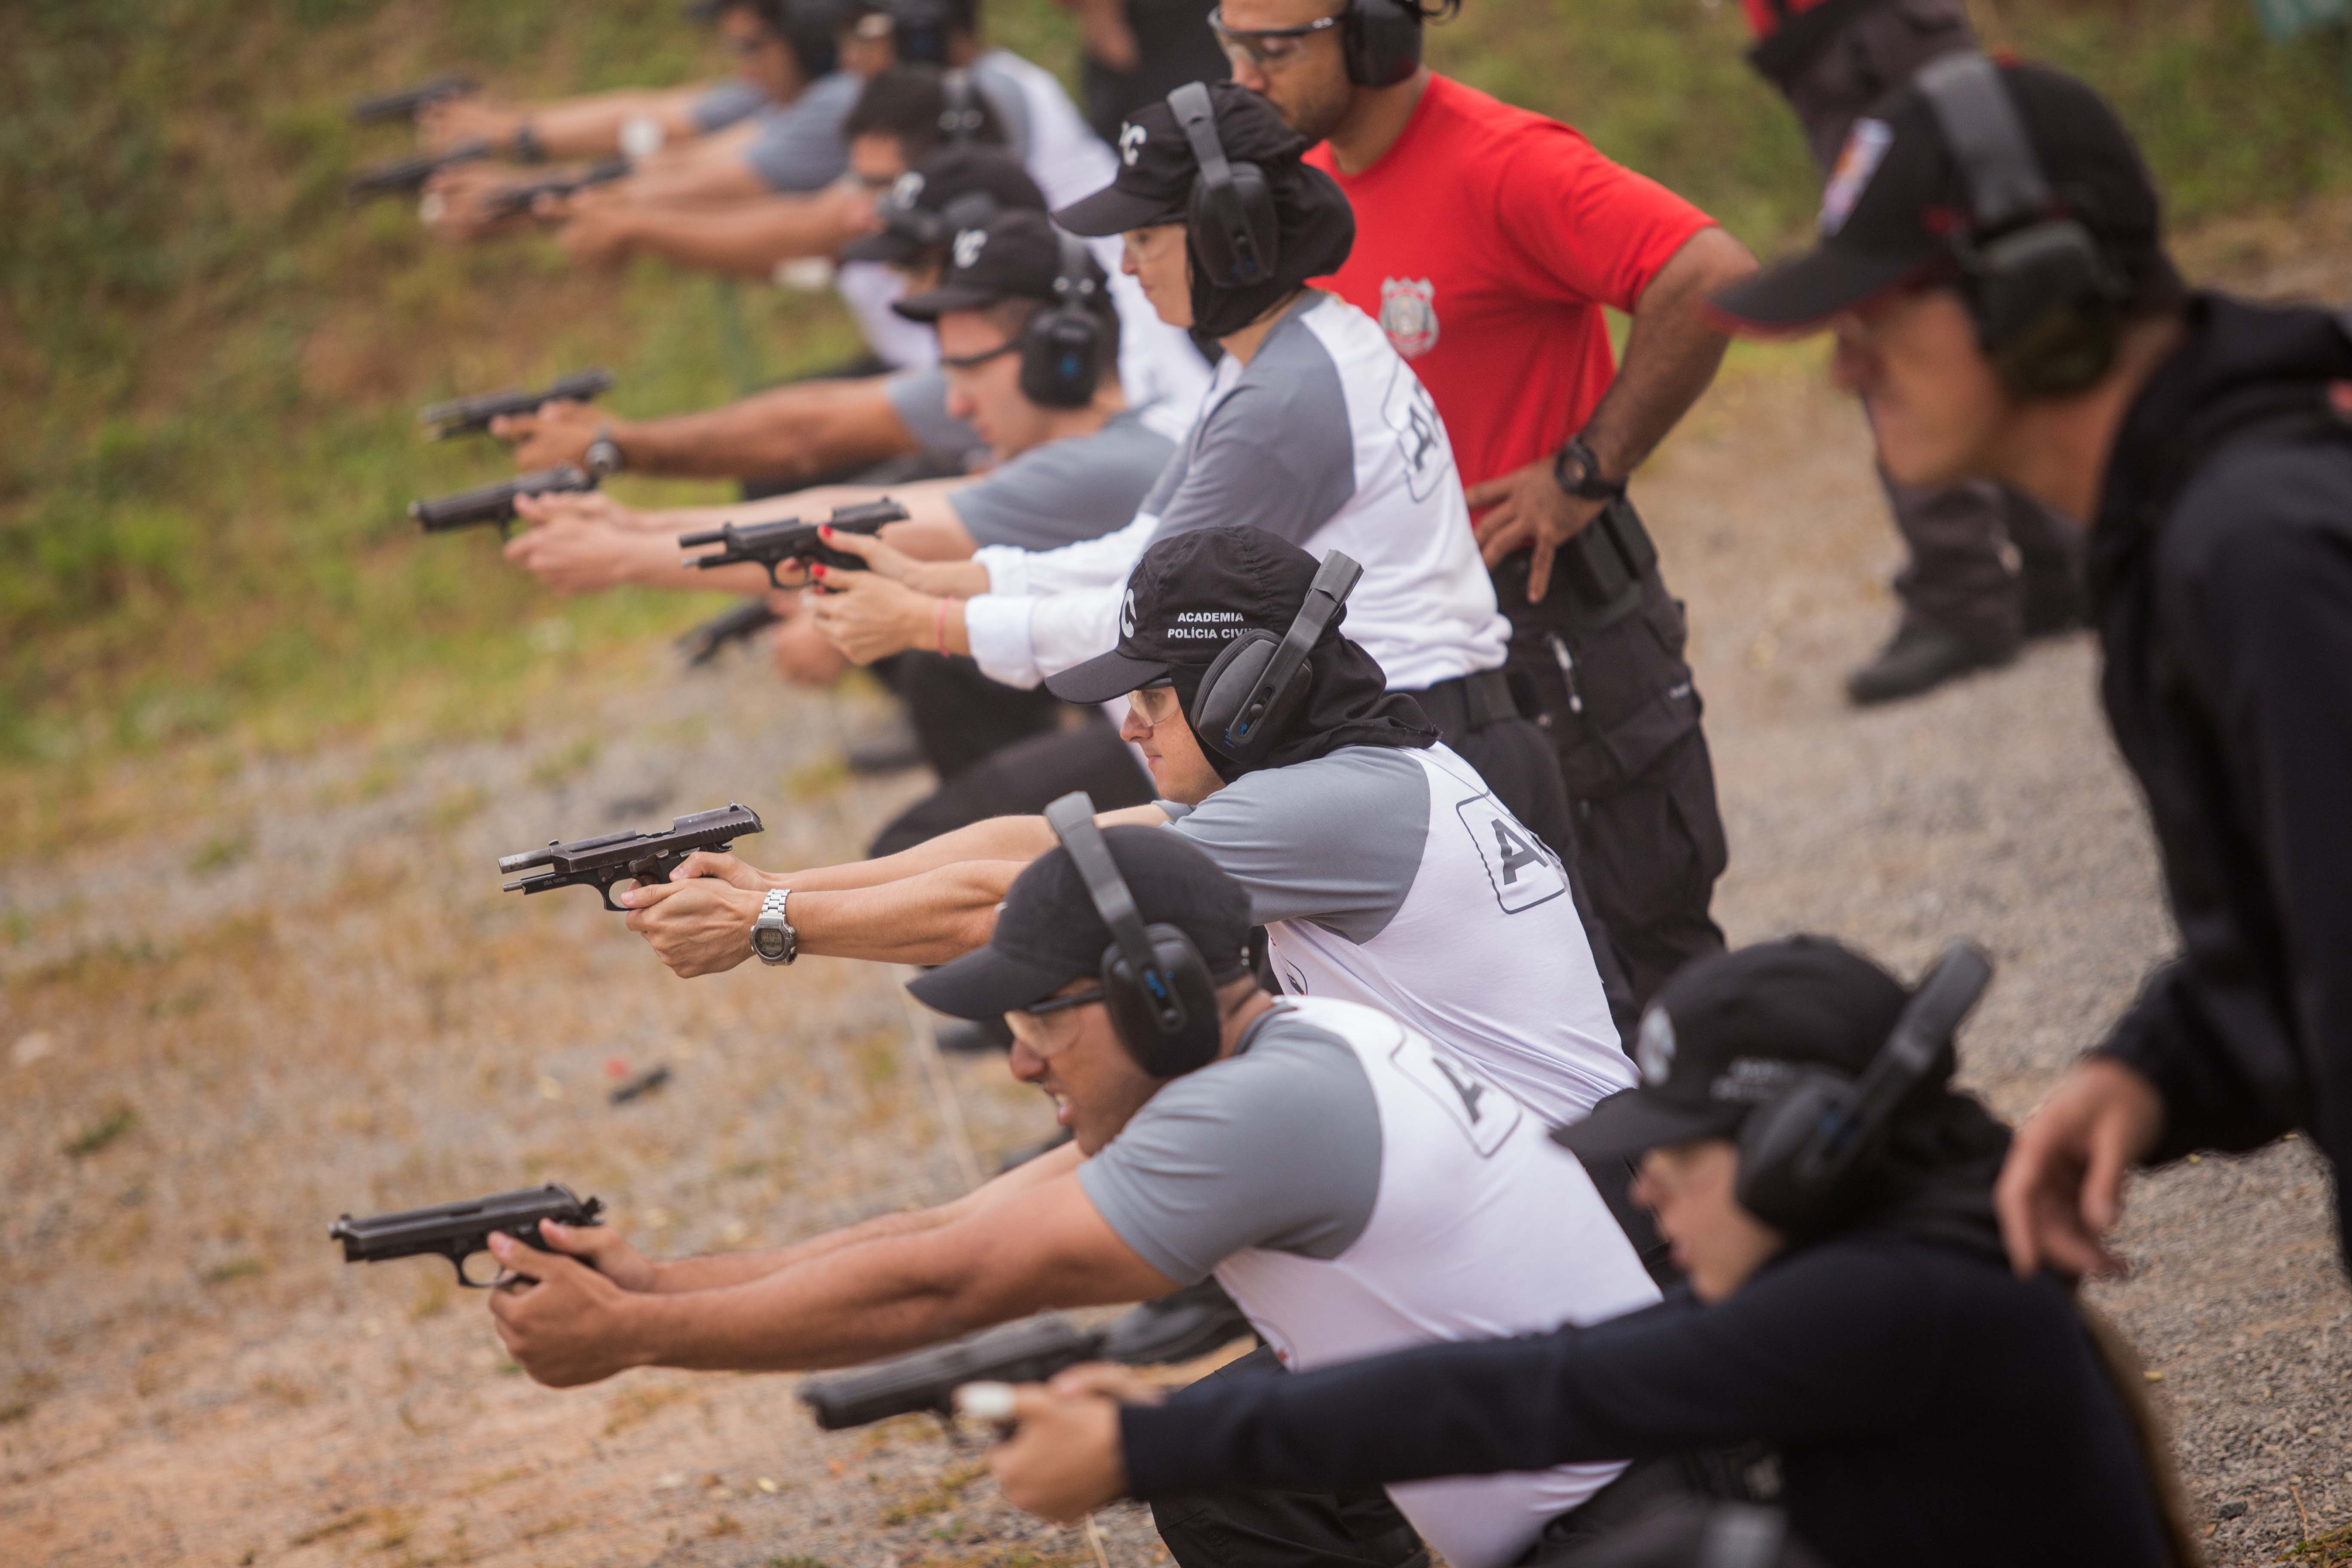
(514,201)
(495,504)
(606,862)
(747,620)
(407,176)
(461,1231)
(403,103)
(472,416)
(1179,1326)
(773,544)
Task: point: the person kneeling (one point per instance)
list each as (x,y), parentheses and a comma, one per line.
(1929,1406)
(1354,1186)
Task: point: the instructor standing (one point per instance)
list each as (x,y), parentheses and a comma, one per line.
(1488,241)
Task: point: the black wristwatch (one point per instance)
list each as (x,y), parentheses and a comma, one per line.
(1588,484)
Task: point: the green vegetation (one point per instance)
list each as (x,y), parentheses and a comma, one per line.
(208,362)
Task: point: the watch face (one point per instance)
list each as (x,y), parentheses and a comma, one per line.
(768,943)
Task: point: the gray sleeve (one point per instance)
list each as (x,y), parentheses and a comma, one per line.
(1275,454)
(721,105)
(1278,1148)
(1012,105)
(1336,841)
(919,398)
(1063,492)
(798,146)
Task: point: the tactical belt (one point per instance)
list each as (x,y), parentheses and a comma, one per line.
(1467,703)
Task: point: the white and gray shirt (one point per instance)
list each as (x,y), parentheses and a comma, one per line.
(1062,491)
(1358,1187)
(1326,438)
(798,146)
(1393,877)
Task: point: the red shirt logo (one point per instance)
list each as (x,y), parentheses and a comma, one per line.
(1409,314)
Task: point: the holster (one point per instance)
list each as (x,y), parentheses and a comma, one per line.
(1600,660)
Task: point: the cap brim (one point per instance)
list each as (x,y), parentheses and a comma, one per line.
(1629,1122)
(1105,678)
(1800,295)
(929,306)
(887,245)
(1111,211)
(985,983)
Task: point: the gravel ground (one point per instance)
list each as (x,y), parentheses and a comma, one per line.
(315,999)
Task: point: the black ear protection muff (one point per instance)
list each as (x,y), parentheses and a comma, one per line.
(962,119)
(2047,303)
(1061,348)
(1258,682)
(1381,40)
(1802,1154)
(1231,218)
(918,31)
(1163,1000)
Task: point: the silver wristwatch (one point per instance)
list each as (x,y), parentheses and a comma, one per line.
(772,936)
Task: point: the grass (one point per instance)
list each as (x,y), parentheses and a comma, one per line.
(208,363)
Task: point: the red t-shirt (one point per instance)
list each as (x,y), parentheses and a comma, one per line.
(1487,240)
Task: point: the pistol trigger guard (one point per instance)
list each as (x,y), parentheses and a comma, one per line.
(457,1261)
(605,891)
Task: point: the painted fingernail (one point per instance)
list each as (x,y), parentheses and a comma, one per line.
(824,529)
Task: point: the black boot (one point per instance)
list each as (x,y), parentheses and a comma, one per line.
(1920,658)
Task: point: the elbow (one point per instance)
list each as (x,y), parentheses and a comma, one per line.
(1718,260)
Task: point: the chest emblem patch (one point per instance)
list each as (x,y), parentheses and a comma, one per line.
(1409,314)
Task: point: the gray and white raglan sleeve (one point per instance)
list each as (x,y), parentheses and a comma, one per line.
(1336,841)
(1067,490)
(1276,453)
(1277,1147)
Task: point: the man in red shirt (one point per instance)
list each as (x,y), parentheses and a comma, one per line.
(1989,567)
(1488,240)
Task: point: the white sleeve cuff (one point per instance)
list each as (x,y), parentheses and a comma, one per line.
(997,626)
(1007,568)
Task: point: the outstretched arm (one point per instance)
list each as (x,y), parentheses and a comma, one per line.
(1047,1246)
(588,126)
(746,238)
(787,433)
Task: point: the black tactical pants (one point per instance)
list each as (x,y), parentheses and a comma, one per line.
(1987,563)
(1616,696)
(1020,779)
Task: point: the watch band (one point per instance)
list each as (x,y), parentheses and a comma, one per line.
(1589,484)
(773,920)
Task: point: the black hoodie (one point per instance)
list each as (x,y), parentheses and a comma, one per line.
(2221,574)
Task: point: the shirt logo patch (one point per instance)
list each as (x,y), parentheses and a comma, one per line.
(1522,872)
(1131,143)
(1865,148)
(1482,1112)
(967,247)
(1409,314)
(1420,434)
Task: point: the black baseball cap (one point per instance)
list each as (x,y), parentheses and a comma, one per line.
(1896,199)
(920,212)
(1048,932)
(1155,166)
(1013,256)
(1730,1032)
(1188,597)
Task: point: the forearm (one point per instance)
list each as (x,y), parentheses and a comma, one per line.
(747,240)
(1671,353)
(722,1270)
(1012,838)
(705,174)
(590,126)
(785,433)
(928,919)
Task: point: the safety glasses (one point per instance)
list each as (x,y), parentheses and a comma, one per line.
(1267,48)
(1063,1004)
(973,362)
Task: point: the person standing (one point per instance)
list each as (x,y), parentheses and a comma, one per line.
(1489,239)
(1990,566)
(1135,52)
(2046,340)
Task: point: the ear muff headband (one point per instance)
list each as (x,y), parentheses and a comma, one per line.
(2045,299)
(1381,40)
(962,119)
(1231,215)
(1801,1154)
(1256,685)
(1162,1000)
(1062,346)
